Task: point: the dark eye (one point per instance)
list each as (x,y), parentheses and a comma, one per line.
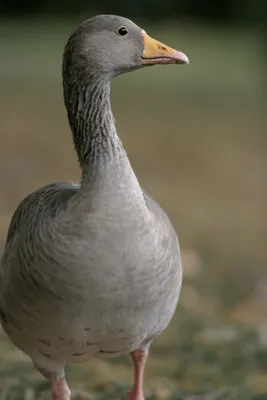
(122,31)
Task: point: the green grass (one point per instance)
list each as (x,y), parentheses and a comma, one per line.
(195,136)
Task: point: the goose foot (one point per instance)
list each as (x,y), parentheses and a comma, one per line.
(134,396)
(139,358)
(60,390)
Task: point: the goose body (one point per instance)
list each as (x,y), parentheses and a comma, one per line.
(92,268)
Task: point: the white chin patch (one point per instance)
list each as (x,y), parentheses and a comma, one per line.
(143,31)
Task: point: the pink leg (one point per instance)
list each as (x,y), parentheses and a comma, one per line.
(60,389)
(139,359)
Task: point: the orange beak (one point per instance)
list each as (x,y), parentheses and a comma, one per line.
(158,53)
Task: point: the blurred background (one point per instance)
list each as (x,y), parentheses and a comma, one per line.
(196,137)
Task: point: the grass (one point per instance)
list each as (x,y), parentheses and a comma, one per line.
(195,136)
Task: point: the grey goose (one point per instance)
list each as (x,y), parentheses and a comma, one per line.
(92,269)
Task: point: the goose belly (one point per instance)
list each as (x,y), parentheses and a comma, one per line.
(94,298)
(101,317)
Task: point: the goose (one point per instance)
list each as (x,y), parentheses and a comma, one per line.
(92,268)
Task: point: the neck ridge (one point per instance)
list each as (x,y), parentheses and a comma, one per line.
(92,123)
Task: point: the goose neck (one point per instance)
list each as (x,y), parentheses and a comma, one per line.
(92,123)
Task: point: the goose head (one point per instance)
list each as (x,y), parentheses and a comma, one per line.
(109,45)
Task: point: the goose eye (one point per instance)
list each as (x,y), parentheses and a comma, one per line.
(122,31)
